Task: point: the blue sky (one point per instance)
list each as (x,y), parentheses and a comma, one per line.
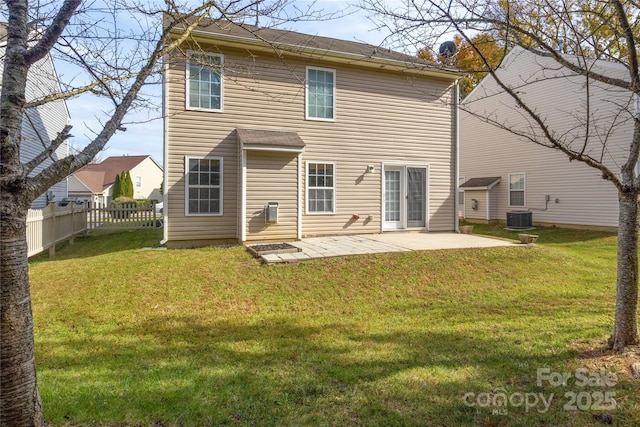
(146,137)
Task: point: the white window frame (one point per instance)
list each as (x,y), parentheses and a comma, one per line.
(306,179)
(138,181)
(188,82)
(524,190)
(186,185)
(306,98)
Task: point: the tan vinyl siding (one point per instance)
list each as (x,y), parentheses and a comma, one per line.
(380,117)
(272,177)
(583,197)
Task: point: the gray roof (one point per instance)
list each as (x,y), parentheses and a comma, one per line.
(481,182)
(270,139)
(293,40)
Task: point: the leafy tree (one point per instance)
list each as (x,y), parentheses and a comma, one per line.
(115,48)
(470,60)
(572,34)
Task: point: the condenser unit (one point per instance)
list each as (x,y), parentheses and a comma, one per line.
(520,220)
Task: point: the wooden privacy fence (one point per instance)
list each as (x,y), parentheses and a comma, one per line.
(53,224)
(123,216)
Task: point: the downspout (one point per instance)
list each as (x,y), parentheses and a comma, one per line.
(456,142)
(299,229)
(165,154)
(243,195)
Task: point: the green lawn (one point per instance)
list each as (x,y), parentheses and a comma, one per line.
(212,337)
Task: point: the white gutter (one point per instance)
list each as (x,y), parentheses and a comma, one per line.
(456,127)
(299,228)
(243,196)
(165,154)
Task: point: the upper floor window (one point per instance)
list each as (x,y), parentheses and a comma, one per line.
(138,181)
(321,94)
(517,187)
(204,81)
(203,185)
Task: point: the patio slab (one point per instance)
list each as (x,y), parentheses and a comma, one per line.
(433,241)
(326,247)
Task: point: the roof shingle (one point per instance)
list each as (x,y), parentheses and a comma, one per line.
(101,175)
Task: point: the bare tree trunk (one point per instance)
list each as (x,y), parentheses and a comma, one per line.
(625,328)
(19,399)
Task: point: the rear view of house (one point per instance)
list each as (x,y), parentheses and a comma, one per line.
(274,135)
(503,174)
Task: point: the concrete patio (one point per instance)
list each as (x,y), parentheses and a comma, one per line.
(325,247)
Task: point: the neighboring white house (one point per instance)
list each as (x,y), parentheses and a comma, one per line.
(94,182)
(504,172)
(43,123)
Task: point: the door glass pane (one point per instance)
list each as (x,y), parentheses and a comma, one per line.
(392,196)
(416,196)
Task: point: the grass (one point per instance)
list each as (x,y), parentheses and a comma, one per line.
(212,337)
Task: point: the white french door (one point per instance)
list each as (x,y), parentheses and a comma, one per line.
(404,197)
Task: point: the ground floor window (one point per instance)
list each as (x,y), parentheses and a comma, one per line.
(321,187)
(517,189)
(203,177)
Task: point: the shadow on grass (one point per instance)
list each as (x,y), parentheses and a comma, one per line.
(100,242)
(183,371)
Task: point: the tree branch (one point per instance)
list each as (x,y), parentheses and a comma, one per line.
(63,135)
(53,32)
(38,184)
(91,87)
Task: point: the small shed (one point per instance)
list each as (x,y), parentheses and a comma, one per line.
(481,198)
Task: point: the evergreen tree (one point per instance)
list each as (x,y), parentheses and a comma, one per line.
(117,188)
(128,185)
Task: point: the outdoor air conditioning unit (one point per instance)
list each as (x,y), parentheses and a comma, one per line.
(520,220)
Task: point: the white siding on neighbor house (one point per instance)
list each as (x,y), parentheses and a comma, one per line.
(494,202)
(578,194)
(481,202)
(381,116)
(150,174)
(77,190)
(75,186)
(43,123)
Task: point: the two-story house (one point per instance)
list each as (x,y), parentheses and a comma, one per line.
(273,135)
(502,171)
(41,124)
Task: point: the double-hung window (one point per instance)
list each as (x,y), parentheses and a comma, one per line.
(517,186)
(203,185)
(204,81)
(321,188)
(321,94)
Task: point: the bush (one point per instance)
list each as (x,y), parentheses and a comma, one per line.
(118,207)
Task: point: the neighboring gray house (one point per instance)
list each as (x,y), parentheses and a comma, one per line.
(501,172)
(43,123)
